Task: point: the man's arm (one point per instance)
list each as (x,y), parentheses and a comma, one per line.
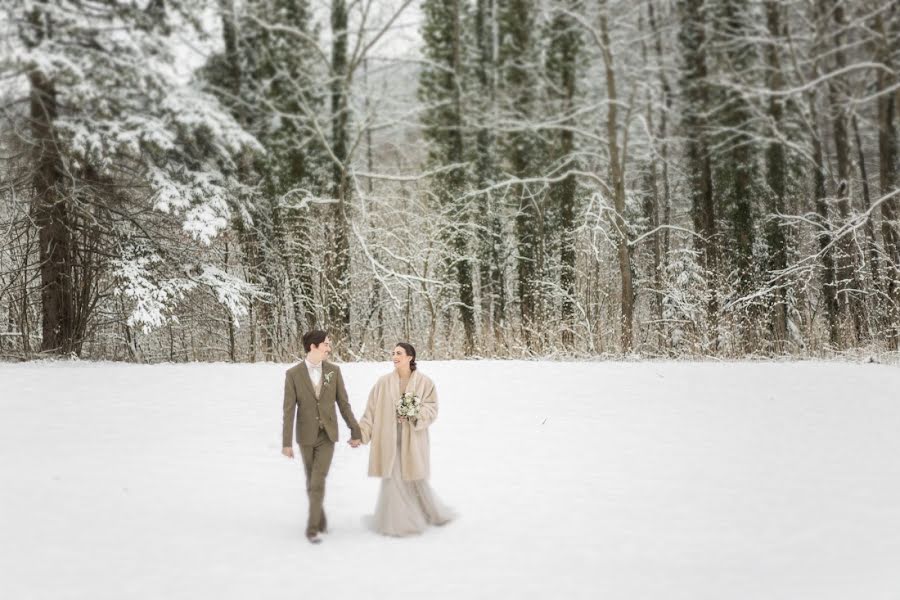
(346,411)
(287,421)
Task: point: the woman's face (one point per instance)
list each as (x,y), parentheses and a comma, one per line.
(400,357)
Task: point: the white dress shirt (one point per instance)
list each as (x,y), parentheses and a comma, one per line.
(315,372)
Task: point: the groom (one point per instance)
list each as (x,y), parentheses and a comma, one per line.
(311,390)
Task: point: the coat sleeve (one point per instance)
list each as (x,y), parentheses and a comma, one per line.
(289,410)
(344,406)
(367,423)
(428,411)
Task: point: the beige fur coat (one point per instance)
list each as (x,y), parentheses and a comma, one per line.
(379,427)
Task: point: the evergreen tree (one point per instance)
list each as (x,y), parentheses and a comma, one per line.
(123,151)
(269,80)
(776,176)
(484,111)
(519,63)
(441,90)
(562,72)
(695,90)
(337,255)
(735,174)
(887,46)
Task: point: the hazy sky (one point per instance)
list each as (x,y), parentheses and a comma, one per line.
(401,41)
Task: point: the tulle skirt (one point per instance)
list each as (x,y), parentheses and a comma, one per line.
(407,507)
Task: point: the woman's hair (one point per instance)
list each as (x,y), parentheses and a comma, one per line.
(410,351)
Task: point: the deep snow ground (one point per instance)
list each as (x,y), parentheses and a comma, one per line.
(648,480)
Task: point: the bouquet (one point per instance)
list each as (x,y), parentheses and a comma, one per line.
(409,405)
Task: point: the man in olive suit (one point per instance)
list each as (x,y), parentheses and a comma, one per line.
(311,389)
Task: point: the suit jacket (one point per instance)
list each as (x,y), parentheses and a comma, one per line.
(300,400)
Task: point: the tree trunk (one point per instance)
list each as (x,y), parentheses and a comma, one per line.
(775,175)
(562,63)
(338,255)
(50,210)
(493,294)
(735,163)
(828,276)
(871,247)
(463,264)
(232,348)
(696,90)
(617,174)
(661,242)
(888,107)
(519,22)
(847,279)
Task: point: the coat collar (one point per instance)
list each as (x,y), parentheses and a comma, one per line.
(395,382)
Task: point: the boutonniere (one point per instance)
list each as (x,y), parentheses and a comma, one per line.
(326,378)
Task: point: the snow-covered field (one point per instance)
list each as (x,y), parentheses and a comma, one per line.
(757,481)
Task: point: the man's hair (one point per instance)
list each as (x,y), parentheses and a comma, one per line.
(313,338)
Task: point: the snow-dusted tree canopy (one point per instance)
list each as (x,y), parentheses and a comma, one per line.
(193,180)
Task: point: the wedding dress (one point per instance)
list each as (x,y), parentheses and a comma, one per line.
(407,507)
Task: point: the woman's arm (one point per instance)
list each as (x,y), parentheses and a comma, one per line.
(368,419)
(428,411)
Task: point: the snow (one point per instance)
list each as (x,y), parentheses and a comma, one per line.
(648,480)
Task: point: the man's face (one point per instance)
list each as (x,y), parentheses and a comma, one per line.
(324,348)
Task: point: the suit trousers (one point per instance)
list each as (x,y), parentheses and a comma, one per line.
(316,462)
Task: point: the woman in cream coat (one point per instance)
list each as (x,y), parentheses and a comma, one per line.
(400,450)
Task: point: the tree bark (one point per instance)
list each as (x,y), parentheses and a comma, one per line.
(888,107)
(562,63)
(490,234)
(829,288)
(50,209)
(696,90)
(463,264)
(871,248)
(775,175)
(847,279)
(661,242)
(519,21)
(338,256)
(617,174)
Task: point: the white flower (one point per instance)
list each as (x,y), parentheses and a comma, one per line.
(408,405)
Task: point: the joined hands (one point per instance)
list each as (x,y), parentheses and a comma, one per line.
(288,451)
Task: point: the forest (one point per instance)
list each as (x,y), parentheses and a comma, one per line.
(195,180)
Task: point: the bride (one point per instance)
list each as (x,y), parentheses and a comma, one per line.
(400,449)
